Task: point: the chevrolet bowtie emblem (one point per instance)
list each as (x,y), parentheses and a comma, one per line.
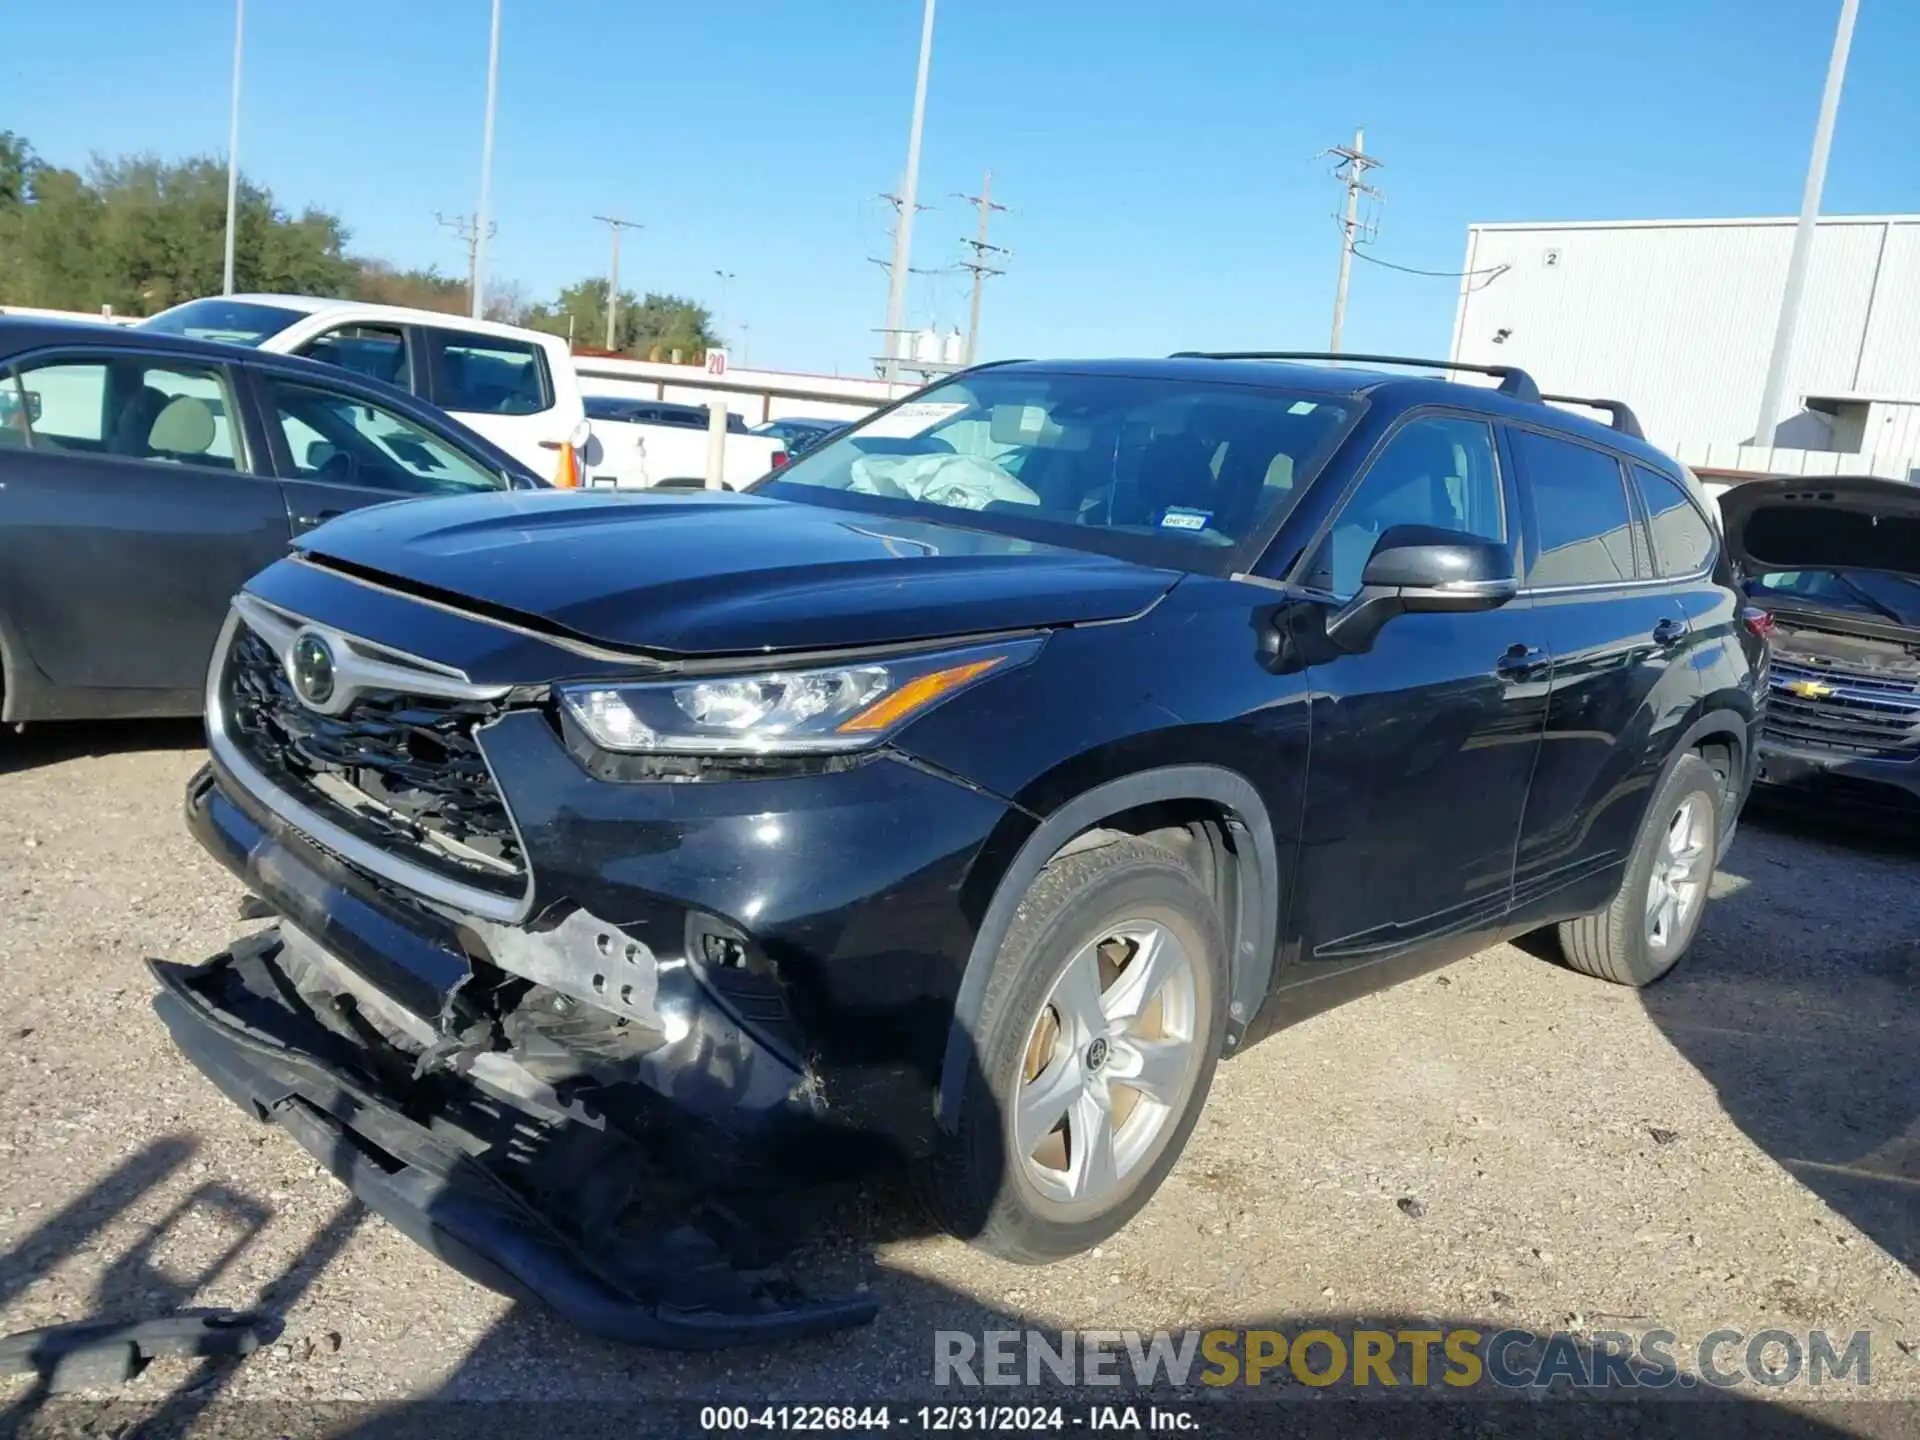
(1810,689)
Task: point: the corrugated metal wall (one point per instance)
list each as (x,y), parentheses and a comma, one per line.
(1677,318)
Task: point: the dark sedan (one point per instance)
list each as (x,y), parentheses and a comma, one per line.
(145,477)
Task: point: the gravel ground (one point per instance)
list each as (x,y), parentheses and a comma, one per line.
(1503,1142)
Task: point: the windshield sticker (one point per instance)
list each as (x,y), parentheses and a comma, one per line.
(911,420)
(1176,517)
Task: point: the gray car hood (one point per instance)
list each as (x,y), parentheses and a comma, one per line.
(1835,522)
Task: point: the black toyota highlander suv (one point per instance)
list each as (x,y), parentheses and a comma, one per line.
(959,795)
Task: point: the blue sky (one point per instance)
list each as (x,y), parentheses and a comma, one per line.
(1159,156)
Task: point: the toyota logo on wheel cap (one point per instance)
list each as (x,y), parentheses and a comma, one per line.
(310,668)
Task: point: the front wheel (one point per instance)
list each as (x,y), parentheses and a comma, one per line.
(1098,1037)
(1643,933)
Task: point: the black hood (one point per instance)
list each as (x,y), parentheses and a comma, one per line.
(1842,522)
(691,573)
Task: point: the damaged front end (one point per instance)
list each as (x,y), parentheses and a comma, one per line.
(485,1142)
(551,1108)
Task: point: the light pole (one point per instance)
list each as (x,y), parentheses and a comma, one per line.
(1773,397)
(233,147)
(903,228)
(480,217)
(720,320)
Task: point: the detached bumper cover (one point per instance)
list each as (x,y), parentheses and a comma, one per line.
(1841,780)
(478,1206)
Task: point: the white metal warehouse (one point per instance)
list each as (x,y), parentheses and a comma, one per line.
(1676,317)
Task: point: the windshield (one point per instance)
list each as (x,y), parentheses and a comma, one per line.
(238,322)
(1156,469)
(1867,592)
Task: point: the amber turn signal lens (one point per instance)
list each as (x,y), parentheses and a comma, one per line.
(890,710)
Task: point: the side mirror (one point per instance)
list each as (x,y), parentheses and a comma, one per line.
(1423,569)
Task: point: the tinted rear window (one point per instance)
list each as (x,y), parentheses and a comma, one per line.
(1683,541)
(484,375)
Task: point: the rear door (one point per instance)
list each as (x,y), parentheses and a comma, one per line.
(1621,644)
(507,389)
(338,447)
(132,507)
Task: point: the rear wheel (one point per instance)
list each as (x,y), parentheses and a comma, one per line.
(1099,1034)
(1647,928)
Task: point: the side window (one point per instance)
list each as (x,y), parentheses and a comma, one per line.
(132,407)
(481,375)
(1580,503)
(14,413)
(341,440)
(1436,471)
(377,351)
(1683,541)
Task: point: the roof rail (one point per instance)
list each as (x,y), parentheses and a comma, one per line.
(1619,415)
(1513,380)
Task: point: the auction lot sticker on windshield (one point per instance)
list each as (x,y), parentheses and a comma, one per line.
(911,420)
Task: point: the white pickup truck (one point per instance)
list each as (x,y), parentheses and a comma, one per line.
(637,442)
(516,387)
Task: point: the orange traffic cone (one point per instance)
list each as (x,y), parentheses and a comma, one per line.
(567,475)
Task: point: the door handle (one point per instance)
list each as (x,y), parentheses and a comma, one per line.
(1669,633)
(307,522)
(1520,661)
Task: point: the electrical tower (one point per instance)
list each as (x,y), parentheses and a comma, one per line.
(978,264)
(469,233)
(615,225)
(1350,172)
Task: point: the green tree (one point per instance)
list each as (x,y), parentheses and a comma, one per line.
(141,234)
(382,284)
(17,164)
(655,326)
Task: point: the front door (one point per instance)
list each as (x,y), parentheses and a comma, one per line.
(130,513)
(340,448)
(1423,746)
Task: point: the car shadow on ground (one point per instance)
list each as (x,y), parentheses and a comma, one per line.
(1800,1004)
(947,1349)
(58,741)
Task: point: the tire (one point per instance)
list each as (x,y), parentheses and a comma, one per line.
(1035,1046)
(1621,942)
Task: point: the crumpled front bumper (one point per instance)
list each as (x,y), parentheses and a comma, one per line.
(530,1218)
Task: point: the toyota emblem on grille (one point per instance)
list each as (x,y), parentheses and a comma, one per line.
(310,667)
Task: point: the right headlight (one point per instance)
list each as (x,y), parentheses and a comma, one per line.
(813,710)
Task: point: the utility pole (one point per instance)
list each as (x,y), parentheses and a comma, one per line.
(1772,399)
(616,225)
(720,320)
(233,148)
(978,265)
(482,225)
(903,227)
(469,233)
(1350,172)
(889,337)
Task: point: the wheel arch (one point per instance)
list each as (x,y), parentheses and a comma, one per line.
(1715,728)
(1252,881)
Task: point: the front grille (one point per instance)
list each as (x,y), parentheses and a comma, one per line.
(1842,709)
(402,772)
